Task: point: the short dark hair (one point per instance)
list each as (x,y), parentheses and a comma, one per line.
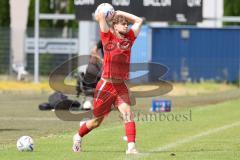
(119,19)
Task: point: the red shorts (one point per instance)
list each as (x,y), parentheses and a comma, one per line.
(108,94)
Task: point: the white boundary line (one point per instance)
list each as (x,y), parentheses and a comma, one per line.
(189,139)
(159,149)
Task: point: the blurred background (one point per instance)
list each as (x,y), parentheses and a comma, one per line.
(197,40)
(195,49)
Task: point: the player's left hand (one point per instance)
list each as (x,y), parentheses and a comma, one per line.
(114,14)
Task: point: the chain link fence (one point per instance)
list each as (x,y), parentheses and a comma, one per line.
(4,51)
(49,61)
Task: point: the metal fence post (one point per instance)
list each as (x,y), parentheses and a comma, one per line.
(36,42)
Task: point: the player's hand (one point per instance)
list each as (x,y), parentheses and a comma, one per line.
(114,14)
(99,15)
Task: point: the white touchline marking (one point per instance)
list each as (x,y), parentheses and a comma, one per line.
(189,139)
(197,136)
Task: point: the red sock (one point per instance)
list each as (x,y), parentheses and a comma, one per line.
(83,130)
(130,129)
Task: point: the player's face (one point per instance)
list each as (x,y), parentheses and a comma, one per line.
(121,27)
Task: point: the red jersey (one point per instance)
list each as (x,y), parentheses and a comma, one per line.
(117,55)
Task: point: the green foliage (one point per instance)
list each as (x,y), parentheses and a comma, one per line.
(44,8)
(71,9)
(232,8)
(31,13)
(46,63)
(4,13)
(47,7)
(4,49)
(4,35)
(50,6)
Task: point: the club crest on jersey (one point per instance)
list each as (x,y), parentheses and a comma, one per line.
(124,45)
(110,46)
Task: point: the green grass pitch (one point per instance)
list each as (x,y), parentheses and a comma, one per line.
(211,134)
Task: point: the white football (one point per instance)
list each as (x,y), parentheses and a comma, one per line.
(107,9)
(125,138)
(25,143)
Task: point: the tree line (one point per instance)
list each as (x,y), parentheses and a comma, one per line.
(46,6)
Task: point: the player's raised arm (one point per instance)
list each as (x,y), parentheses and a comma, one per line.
(100,18)
(135,20)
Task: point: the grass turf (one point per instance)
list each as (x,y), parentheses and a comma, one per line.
(106,141)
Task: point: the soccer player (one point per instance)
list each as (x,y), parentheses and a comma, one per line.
(117,42)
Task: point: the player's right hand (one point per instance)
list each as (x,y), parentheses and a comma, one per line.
(99,15)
